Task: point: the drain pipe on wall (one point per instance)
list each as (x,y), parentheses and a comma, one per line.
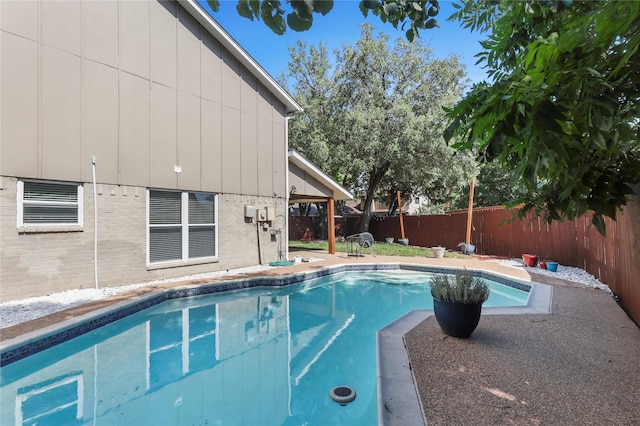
(95,222)
(287,192)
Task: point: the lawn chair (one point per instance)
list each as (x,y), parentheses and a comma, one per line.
(356,242)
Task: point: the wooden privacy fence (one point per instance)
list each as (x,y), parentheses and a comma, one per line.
(308,227)
(614,259)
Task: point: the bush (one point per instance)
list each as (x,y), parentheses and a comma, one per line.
(461,288)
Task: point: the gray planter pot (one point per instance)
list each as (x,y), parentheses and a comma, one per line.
(468,248)
(457,319)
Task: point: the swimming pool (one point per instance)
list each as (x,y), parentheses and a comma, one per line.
(254,357)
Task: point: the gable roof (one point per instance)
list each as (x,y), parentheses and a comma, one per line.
(339,193)
(209,24)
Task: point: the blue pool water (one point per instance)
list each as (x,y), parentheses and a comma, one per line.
(250,357)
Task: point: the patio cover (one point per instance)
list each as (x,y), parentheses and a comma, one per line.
(308,184)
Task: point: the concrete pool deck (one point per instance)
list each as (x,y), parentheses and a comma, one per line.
(578,364)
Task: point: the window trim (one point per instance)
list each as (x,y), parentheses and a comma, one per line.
(184,228)
(20,202)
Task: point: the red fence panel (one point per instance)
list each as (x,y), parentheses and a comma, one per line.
(613,259)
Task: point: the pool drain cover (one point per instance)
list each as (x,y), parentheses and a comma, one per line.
(342,395)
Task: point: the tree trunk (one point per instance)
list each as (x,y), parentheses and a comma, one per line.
(393,205)
(375,177)
(323,226)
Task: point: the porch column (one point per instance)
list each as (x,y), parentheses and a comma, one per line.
(331,225)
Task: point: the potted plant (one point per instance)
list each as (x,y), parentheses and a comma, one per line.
(530,260)
(457,302)
(467,248)
(438,251)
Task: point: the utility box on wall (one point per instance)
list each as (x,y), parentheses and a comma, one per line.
(271,213)
(249,212)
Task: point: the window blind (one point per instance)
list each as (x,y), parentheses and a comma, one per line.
(171,215)
(165,208)
(50,203)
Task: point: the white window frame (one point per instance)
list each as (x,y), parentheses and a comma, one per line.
(184,225)
(21,203)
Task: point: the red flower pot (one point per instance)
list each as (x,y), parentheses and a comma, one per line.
(543,264)
(530,260)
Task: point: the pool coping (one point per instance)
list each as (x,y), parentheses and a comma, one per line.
(398,400)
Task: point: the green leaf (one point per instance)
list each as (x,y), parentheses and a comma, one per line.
(369,4)
(298,24)
(272,18)
(244,10)
(598,139)
(214,5)
(410,34)
(390,9)
(431,23)
(303,9)
(599,224)
(255,7)
(322,6)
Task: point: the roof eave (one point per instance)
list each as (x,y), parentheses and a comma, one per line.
(216,30)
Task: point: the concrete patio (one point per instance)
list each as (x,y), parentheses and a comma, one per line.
(578,365)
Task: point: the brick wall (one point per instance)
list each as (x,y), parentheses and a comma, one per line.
(34,264)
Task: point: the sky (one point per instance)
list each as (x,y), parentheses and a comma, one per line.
(342,25)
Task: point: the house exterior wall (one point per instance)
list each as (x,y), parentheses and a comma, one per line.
(37,262)
(160,103)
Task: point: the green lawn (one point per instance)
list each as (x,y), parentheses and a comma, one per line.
(383,249)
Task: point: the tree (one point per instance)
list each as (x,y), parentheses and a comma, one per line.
(411,16)
(495,185)
(563,108)
(374,121)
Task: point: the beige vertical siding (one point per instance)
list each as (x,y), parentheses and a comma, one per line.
(143,88)
(135,37)
(135,140)
(19,119)
(100,42)
(61,101)
(100,131)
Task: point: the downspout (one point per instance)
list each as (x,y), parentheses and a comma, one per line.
(95,222)
(287,188)
(258,236)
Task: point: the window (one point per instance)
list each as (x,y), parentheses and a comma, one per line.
(46,203)
(182,226)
